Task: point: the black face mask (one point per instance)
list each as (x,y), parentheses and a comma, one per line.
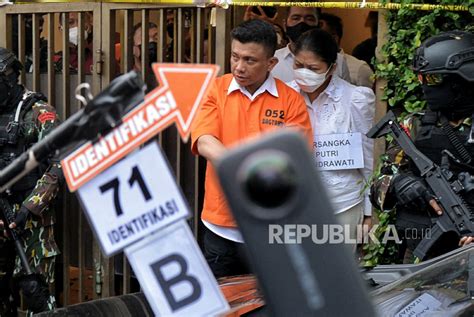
(170,30)
(5,91)
(453,97)
(295,31)
(7,85)
(152,52)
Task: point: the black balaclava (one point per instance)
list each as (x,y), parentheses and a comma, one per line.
(454,97)
(10,91)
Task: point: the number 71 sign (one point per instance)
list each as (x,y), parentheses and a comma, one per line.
(131,199)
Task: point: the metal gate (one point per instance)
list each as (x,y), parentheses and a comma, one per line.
(185,34)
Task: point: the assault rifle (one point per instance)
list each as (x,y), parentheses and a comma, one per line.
(8,218)
(457,216)
(32,285)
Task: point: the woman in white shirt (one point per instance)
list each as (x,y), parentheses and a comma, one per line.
(341,114)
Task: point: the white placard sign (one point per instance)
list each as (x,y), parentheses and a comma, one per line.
(174,275)
(338,151)
(423,305)
(131,199)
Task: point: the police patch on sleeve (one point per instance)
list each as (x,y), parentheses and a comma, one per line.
(46,116)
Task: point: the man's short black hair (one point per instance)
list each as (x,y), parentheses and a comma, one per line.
(317,11)
(256,31)
(137,26)
(334,23)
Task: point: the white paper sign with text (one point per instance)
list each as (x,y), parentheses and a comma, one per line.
(174,275)
(131,199)
(423,305)
(338,151)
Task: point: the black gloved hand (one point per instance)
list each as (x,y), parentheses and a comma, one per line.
(411,191)
(20,219)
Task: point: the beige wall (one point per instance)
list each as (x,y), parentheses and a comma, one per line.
(355,30)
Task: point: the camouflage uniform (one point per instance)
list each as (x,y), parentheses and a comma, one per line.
(38,235)
(395,162)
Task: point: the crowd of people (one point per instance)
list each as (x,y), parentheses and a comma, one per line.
(336,97)
(292,76)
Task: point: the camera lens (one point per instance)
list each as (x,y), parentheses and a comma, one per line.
(268,178)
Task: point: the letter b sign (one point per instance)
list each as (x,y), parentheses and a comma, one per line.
(174,275)
(180,289)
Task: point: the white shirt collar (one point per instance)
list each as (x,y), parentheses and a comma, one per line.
(334,90)
(268,85)
(286,51)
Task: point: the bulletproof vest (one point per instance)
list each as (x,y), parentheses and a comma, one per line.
(13,141)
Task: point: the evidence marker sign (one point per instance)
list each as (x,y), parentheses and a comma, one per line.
(131,199)
(174,275)
(338,151)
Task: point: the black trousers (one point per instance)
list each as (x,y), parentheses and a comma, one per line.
(225,257)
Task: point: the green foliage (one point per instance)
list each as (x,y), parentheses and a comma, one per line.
(407,29)
(381,253)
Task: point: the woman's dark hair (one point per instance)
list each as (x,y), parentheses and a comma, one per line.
(256,31)
(320,42)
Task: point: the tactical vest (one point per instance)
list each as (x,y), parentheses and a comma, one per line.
(13,141)
(431,139)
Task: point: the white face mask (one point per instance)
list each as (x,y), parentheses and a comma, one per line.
(73,35)
(308,80)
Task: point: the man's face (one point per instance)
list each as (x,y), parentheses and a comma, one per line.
(73,21)
(169,16)
(137,39)
(250,64)
(299,14)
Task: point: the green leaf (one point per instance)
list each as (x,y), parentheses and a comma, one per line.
(367,257)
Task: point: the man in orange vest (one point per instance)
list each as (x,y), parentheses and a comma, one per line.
(240,105)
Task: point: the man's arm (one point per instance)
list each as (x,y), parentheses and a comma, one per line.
(210,147)
(298,117)
(206,132)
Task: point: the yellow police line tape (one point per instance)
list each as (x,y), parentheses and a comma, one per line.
(340,5)
(354,5)
(178,2)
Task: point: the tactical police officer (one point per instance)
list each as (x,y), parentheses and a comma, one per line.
(445,67)
(26,118)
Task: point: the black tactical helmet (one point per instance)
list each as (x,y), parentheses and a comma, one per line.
(444,64)
(447,53)
(9,61)
(10,68)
